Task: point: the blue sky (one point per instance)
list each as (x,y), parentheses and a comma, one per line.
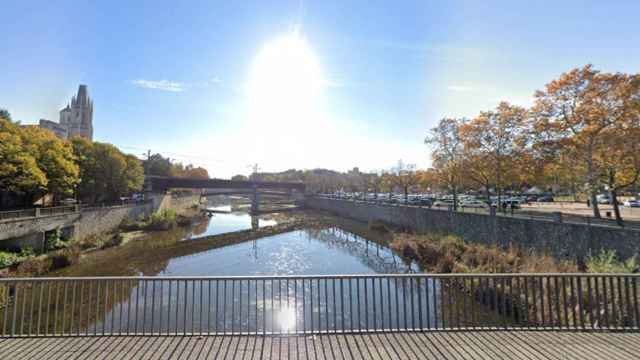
(175,77)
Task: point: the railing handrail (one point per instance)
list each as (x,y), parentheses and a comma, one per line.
(336,276)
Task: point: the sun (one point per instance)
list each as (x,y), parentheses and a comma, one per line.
(285,83)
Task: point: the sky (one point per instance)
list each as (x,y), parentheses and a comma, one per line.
(296,84)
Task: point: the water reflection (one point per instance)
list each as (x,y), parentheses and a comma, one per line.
(225,219)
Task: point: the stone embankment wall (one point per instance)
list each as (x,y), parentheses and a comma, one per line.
(87,222)
(561,240)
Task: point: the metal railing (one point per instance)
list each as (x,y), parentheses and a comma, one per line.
(316,304)
(17,214)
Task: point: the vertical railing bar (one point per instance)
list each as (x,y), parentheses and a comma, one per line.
(419,290)
(512,308)
(366,306)
(635,302)
(80,307)
(177,306)
(7,296)
(209,306)
(113,308)
(304,308)
(224,305)
(463,292)
(55,314)
(256,322)
(627,299)
(411,292)
(381,303)
(426,301)
(542,317)
(24,306)
(496,305)
(15,307)
(311,303)
(358,304)
(597,302)
(281,323)
(326,304)
(590,292)
(153,305)
(574,324)
(435,302)
(161,307)
(200,305)
(169,307)
(373,301)
(605,303)
(264,307)
(580,302)
(557,300)
(550,302)
(534,301)
(217,330)
(404,303)
(397,288)
(273,327)
(503,293)
(135,320)
(564,301)
(106,300)
(32,287)
(620,303)
(39,307)
(342,303)
(526,302)
(390,312)
(239,305)
(193,306)
(519,308)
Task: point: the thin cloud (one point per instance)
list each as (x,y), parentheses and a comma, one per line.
(460,88)
(162,85)
(174,86)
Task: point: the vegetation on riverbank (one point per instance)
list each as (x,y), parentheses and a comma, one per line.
(447,253)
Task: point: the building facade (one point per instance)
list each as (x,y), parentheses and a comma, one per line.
(76,119)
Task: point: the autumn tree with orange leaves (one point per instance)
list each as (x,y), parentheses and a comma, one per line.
(581,113)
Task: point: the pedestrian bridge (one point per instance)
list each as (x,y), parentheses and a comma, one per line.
(525,316)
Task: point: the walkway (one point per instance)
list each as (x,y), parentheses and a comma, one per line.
(523,345)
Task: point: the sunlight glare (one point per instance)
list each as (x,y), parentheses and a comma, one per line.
(285,86)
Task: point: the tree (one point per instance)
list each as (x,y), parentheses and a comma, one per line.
(576,111)
(404,177)
(5,114)
(157,165)
(447,154)
(239,178)
(19,170)
(54,157)
(492,141)
(106,173)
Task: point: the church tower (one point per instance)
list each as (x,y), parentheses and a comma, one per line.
(77,117)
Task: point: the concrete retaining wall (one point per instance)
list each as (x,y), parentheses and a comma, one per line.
(560,240)
(88,222)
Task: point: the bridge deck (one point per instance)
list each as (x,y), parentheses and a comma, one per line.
(525,345)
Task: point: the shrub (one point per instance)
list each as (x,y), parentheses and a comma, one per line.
(8,258)
(607,262)
(162,220)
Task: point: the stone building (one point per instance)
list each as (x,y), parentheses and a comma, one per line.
(76,119)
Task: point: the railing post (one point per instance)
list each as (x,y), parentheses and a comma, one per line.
(37,213)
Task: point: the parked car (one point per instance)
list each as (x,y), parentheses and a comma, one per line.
(632,203)
(545,198)
(68,201)
(473,204)
(603,199)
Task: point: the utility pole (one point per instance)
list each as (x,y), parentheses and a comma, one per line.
(146,163)
(255,169)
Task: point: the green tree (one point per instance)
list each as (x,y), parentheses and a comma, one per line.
(19,171)
(5,114)
(54,157)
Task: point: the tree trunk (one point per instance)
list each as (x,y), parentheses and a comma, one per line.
(614,198)
(592,183)
(455,199)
